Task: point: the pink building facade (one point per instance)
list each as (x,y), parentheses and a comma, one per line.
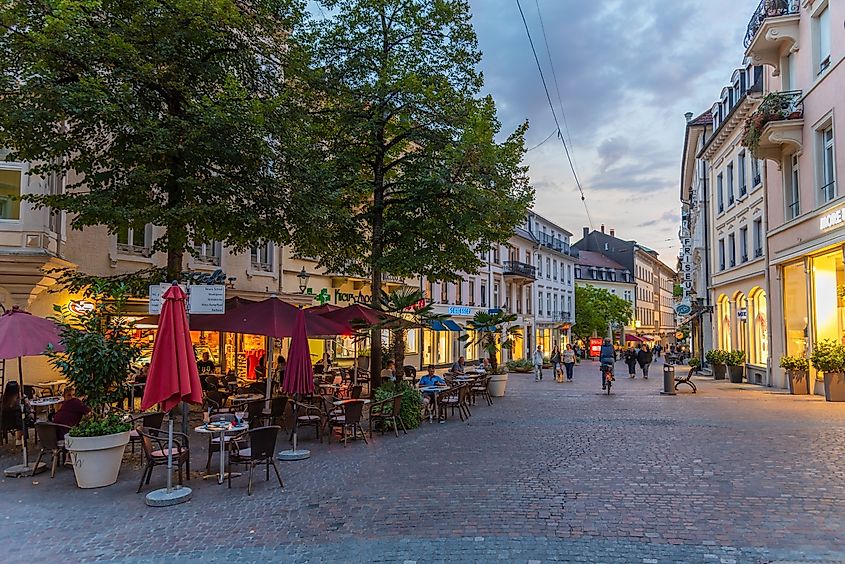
(799,129)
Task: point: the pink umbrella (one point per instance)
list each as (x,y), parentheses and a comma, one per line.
(173,375)
(299,378)
(23,334)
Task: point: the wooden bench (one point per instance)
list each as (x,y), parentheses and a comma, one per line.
(686,380)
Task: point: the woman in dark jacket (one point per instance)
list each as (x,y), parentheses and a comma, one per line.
(631,361)
(644,358)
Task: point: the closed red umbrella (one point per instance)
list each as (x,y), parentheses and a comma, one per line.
(173,375)
(299,378)
(23,334)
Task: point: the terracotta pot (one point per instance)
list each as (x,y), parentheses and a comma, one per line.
(96,460)
(799,382)
(834,386)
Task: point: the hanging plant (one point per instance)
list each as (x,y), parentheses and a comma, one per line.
(776,106)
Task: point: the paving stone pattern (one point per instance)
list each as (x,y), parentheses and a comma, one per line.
(551,472)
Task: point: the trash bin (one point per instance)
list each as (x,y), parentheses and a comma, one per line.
(668,380)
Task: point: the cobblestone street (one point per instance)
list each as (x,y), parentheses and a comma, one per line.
(734,473)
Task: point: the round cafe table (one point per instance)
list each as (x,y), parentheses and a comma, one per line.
(46,402)
(212,428)
(245,398)
(435,391)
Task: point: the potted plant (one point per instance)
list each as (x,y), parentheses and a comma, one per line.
(829,357)
(98,356)
(736,365)
(523,366)
(493,331)
(694,363)
(798,374)
(716,358)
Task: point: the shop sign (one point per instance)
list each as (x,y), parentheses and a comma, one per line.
(80,307)
(202,298)
(209,278)
(683,308)
(833,219)
(595,346)
(742,314)
(680,335)
(494,310)
(459,310)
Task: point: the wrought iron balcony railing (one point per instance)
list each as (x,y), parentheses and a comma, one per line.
(769,9)
(516,268)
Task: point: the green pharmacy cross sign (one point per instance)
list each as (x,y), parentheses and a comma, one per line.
(323,297)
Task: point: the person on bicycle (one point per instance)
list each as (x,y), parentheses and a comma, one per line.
(607,356)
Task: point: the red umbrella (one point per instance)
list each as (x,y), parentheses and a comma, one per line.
(629,337)
(173,375)
(299,376)
(323,309)
(359,315)
(271,317)
(23,334)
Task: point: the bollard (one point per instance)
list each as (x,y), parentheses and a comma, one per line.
(668,380)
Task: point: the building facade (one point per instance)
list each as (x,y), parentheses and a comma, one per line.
(595,269)
(802,47)
(737,209)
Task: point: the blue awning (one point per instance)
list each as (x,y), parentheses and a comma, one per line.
(451,325)
(436,326)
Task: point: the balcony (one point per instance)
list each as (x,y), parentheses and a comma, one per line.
(776,128)
(772,31)
(519,270)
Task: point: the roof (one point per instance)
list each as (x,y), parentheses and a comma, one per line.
(704,119)
(593,258)
(551,223)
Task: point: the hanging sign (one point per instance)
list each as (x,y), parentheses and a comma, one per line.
(595,346)
(202,298)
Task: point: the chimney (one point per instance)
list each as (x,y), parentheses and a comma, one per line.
(688,115)
(602,227)
(586,232)
(613,233)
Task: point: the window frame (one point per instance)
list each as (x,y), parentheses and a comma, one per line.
(21,170)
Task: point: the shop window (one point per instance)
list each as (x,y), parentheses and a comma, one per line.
(759,353)
(471,351)
(10,191)
(724,322)
(828,277)
(741,322)
(412,343)
(795,310)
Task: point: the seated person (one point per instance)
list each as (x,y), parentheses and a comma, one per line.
(432,379)
(486,366)
(389,371)
(458,367)
(71,412)
(12,416)
(206,365)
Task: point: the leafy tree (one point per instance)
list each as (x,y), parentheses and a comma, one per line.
(170,112)
(486,329)
(597,309)
(408,177)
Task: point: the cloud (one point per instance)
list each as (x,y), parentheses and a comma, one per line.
(626,73)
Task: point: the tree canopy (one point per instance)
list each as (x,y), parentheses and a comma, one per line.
(598,308)
(173,113)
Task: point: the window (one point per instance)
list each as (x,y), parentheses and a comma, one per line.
(10,191)
(721,254)
(496,254)
(262,258)
(135,240)
(758,237)
(793,208)
(554,266)
(496,295)
(756,178)
(823,39)
(429,293)
(444,293)
(471,292)
(459,292)
(540,303)
(720,193)
(483,297)
(528,303)
(555,311)
(743,244)
(519,299)
(209,253)
(539,266)
(548,268)
(730,184)
(828,174)
(548,304)
(743,189)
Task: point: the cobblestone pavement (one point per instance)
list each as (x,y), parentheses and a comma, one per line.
(551,472)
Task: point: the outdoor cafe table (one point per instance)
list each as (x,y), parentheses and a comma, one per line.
(223,427)
(52,386)
(48,402)
(341,403)
(245,398)
(434,391)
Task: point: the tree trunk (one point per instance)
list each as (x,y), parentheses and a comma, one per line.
(174,264)
(399,350)
(375,259)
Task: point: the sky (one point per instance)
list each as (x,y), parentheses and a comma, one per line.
(627,72)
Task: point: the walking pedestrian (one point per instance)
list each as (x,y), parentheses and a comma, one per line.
(631,361)
(644,358)
(606,356)
(538,364)
(569,361)
(557,372)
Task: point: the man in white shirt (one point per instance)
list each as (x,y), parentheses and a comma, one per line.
(538,364)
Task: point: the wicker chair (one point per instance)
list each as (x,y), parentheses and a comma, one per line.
(149,420)
(480,387)
(154,443)
(48,437)
(455,398)
(386,412)
(261,450)
(350,419)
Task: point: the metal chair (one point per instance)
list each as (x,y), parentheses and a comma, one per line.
(48,437)
(351,419)
(387,412)
(154,444)
(149,420)
(261,450)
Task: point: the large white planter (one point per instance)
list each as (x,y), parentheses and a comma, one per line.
(96,460)
(498,383)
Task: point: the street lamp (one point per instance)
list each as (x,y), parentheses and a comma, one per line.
(303,280)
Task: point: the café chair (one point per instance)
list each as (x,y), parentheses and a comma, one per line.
(261,450)
(154,443)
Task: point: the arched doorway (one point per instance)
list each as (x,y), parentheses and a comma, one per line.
(741,322)
(759,353)
(724,324)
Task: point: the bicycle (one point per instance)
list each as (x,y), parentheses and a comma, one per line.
(607,373)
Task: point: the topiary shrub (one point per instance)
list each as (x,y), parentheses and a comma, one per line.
(524,366)
(411,401)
